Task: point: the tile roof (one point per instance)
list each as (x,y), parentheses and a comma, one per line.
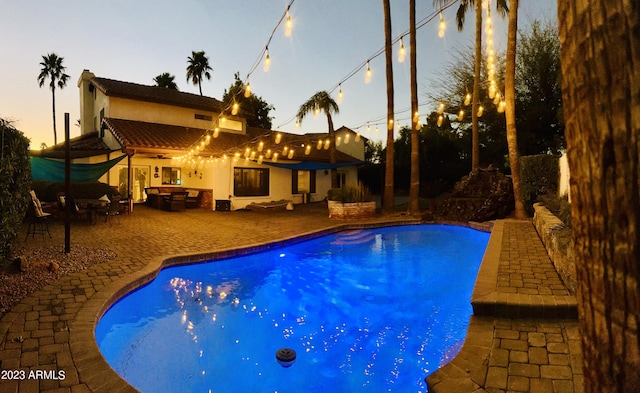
(154,138)
(161,95)
(82,146)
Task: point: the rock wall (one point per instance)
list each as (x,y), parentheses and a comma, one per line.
(557,240)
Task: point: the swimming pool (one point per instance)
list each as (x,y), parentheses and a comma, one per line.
(371,310)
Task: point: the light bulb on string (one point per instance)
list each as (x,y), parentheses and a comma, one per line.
(316,109)
(284,151)
(216,132)
(260,146)
(338,141)
(441,26)
(290,155)
(347,137)
(497,98)
(461,115)
(502,106)
(401,52)
(275,157)
(252,155)
(288,25)
(267,60)
(234,108)
(319,146)
(247,90)
(207,139)
(260,158)
(440,120)
(327,143)
(467,99)
(480,111)
(340,93)
(441,108)
(367,75)
(268,153)
(357,138)
(307,150)
(278,138)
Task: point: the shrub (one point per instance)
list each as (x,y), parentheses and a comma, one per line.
(538,176)
(15,182)
(348,194)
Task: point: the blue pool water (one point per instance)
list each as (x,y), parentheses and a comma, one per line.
(366,311)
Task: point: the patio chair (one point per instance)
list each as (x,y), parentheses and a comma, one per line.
(76,210)
(38,219)
(176,201)
(193,199)
(111,209)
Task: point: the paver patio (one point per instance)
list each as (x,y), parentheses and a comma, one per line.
(56,323)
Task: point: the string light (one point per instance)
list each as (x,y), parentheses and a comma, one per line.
(288,25)
(440,120)
(467,99)
(307,150)
(480,110)
(340,94)
(235,108)
(401,51)
(461,115)
(278,138)
(441,26)
(247,90)
(267,60)
(367,77)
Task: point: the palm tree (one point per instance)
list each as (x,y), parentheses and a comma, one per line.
(602,125)
(198,68)
(322,101)
(53,70)
(388,205)
(166,80)
(414,187)
(501,6)
(510,108)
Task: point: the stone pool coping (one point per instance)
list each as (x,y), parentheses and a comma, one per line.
(515,341)
(94,370)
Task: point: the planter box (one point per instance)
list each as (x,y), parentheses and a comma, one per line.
(351,210)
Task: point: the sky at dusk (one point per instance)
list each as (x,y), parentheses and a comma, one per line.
(135,41)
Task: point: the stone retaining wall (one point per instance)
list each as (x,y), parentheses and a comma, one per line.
(557,240)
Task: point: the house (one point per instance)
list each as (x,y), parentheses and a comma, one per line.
(177,139)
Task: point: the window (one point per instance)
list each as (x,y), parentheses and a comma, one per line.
(199,116)
(342,179)
(171,176)
(303,182)
(250,182)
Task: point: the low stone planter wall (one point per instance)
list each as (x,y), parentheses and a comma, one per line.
(557,240)
(352,210)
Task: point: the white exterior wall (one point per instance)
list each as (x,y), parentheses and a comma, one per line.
(353,148)
(563,182)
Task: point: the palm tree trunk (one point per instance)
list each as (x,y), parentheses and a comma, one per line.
(53,100)
(510,108)
(414,187)
(475,141)
(600,58)
(332,151)
(388,205)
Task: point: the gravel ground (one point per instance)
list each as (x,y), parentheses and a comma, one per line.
(16,285)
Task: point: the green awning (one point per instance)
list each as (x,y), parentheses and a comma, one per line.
(53,170)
